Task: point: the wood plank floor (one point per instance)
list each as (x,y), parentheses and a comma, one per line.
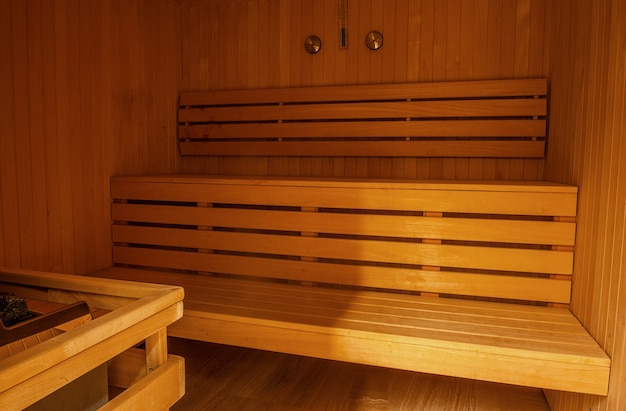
(227,378)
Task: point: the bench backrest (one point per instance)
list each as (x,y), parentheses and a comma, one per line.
(500,240)
(492,118)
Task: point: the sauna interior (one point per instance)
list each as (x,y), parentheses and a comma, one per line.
(89,90)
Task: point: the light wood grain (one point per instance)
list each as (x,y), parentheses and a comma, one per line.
(373,235)
(87,91)
(452,256)
(160,389)
(415,34)
(578,113)
(251,379)
(507,129)
(41,369)
(413,109)
(481,255)
(598,294)
(67,75)
(451,282)
(341,329)
(461,110)
(542,199)
(439,90)
(468,229)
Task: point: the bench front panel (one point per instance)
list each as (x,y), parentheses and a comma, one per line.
(447,238)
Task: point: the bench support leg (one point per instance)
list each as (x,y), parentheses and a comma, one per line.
(156,350)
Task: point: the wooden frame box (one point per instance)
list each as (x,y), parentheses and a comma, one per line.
(138,315)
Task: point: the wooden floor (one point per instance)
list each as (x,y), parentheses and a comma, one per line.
(231,378)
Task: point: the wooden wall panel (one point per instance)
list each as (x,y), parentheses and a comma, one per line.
(87,89)
(259,44)
(587,146)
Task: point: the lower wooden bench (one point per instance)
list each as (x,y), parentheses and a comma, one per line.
(461,279)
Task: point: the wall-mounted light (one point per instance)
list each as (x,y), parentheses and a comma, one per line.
(312,44)
(374,40)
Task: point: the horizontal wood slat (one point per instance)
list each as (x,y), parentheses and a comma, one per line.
(446,282)
(344,183)
(496,149)
(543,199)
(296,119)
(468,257)
(386,130)
(435,90)
(411,109)
(399,226)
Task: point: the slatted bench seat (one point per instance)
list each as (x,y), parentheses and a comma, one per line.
(455,278)
(488,118)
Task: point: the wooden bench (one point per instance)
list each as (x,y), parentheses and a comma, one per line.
(455,278)
(94,364)
(491,118)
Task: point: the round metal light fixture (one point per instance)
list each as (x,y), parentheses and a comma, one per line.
(374,40)
(312,44)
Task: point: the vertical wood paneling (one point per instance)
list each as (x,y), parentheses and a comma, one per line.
(494,32)
(479,65)
(91,88)
(398,52)
(536,35)
(88,89)
(35,113)
(425,40)
(466,40)
(53,201)
(62,104)
(587,147)
(26,191)
(8,172)
(522,37)
(453,41)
